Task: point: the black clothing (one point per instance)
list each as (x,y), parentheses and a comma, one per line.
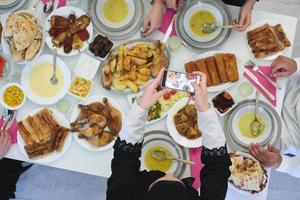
(10,171)
(239,3)
(128,183)
(163,190)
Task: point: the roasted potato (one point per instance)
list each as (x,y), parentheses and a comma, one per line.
(145,71)
(132,86)
(119,85)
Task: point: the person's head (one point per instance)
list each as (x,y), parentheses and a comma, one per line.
(167,187)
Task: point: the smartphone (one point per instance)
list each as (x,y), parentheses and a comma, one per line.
(179,80)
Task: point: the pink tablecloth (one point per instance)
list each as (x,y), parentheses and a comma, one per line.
(167,18)
(61,2)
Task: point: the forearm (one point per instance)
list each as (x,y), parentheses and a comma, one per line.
(215,173)
(212,133)
(290,165)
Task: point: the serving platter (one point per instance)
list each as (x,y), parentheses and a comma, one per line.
(218,38)
(224,86)
(65,11)
(161,138)
(239,143)
(258,24)
(123,30)
(183,141)
(11,5)
(76,111)
(45,100)
(5,45)
(62,120)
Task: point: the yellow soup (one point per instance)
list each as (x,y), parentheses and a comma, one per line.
(115,10)
(245,125)
(13,96)
(198,19)
(153,164)
(39,80)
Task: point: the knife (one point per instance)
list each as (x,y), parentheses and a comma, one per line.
(255,80)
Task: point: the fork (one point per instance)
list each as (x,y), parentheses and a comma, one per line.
(254,67)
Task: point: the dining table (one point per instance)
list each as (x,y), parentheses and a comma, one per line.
(79,159)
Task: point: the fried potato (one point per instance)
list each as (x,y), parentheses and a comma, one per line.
(142,77)
(124,77)
(145,71)
(132,86)
(140,82)
(113,64)
(119,85)
(138,61)
(126,63)
(120,66)
(132,75)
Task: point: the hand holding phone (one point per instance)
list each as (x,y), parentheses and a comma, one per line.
(180,81)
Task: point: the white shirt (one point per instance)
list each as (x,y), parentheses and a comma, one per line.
(290,137)
(133,128)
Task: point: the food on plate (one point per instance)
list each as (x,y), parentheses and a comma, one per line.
(223,102)
(267,40)
(42,134)
(39,80)
(115,11)
(132,66)
(80,87)
(198,19)
(247,174)
(245,125)
(186,122)
(164,103)
(219,69)
(98,123)
(13,96)
(24,36)
(69,32)
(154,164)
(101,46)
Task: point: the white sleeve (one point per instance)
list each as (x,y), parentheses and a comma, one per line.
(133,127)
(298,66)
(290,165)
(212,133)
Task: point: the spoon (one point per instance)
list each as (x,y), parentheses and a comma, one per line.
(48,7)
(53,79)
(255,125)
(7,117)
(209,28)
(160,155)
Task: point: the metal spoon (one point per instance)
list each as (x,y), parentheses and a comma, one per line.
(53,79)
(48,7)
(255,125)
(209,28)
(160,155)
(7,116)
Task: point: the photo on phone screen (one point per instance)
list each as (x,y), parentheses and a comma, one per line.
(179,80)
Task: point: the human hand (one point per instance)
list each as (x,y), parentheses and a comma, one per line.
(269,157)
(283,67)
(5,143)
(174,4)
(151,93)
(200,96)
(154,18)
(245,16)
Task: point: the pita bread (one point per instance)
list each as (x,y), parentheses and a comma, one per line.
(33,49)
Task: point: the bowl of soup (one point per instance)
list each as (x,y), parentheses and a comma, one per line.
(12,96)
(36,80)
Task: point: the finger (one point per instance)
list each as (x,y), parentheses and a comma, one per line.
(149,30)
(273,149)
(276,61)
(281,74)
(242,20)
(278,66)
(159,77)
(6,138)
(162,92)
(8,142)
(247,22)
(259,153)
(146,25)
(2,136)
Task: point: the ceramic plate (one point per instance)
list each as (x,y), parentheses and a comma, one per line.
(161,138)
(14,5)
(61,119)
(75,113)
(65,11)
(8,3)
(223,86)
(183,141)
(5,44)
(45,100)
(272,23)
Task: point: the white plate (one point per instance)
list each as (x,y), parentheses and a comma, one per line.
(205,7)
(43,100)
(76,111)
(183,141)
(245,192)
(223,86)
(14,6)
(65,11)
(5,44)
(106,22)
(61,119)
(272,23)
(8,3)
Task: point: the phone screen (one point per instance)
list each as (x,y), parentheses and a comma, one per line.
(179,80)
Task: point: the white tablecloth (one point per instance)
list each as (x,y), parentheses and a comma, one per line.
(98,163)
